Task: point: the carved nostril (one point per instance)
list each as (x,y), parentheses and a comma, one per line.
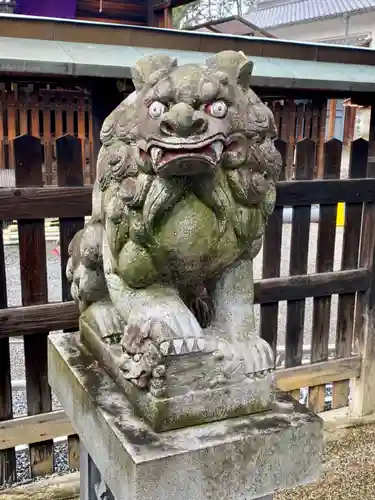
(168,127)
(199,126)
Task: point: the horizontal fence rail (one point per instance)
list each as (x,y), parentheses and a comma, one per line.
(29,320)
(50,202)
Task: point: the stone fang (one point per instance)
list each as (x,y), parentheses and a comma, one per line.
(156,153)
(218,147)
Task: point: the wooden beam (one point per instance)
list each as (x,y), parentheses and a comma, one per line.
(50,202)
(325,192)
(44,202)
(26,430)
(289,379)
(38,428)
(64,315)
(47,317)
(310,285)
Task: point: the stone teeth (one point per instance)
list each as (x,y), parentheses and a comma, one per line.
(171,348)
(190,344)
(184,348)
(201,344)
(218,147)
(156,154)
(177,344)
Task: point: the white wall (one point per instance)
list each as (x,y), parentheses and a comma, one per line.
(325,29)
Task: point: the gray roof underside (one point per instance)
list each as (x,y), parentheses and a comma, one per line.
(48,57)
(297,11)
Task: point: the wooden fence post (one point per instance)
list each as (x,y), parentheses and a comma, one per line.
(363,388)
(7,457)
(32,247)
(350,256)
(69,173)
(299,247)
(271,261)
(324,263)
(105,97)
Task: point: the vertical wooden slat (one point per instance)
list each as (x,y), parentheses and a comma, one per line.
(69,106)
(47,140)
(35,123)
(32,248)
(308,120)
(58,131)
(23,105)
(324,263)
(2,158)
(322,106)
(7,457)
(350,253)
(287,133)
(349,123)
(90,138)
(277,110)
(300,121)
(305,159)
(271,262)
(69,173)
(363,396)
(332,118)
(11,108)
(82,137)
(101,108)
(315,122)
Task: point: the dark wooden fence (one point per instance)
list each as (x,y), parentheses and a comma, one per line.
(296,121)
(30,203)
(47,112)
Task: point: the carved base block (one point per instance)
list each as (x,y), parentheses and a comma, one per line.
(93,487)
(245,457)
(190,398)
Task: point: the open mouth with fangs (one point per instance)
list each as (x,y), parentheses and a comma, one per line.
(179,157)
(189,160)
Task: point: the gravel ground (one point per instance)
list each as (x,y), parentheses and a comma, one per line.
(349,465)
(60,454)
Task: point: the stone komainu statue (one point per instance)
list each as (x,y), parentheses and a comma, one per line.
(184,186)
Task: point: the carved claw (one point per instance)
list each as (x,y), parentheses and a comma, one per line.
(202,307)
(259,360)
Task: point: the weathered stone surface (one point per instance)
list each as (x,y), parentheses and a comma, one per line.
(186,180)
(188,399)
(244,457)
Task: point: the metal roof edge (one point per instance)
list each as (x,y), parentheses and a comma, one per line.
(93,60)
(168,32)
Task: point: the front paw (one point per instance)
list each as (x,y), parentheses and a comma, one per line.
(88,286)
(171,318)
(258,358)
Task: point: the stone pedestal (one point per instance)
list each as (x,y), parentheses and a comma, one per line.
(248,457)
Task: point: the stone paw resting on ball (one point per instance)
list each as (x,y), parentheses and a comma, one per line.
(185,183)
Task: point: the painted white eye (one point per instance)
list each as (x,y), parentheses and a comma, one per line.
(217,109)
(156,109)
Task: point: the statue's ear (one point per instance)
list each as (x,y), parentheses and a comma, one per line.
(150,69)
(234,64)
(244,74)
